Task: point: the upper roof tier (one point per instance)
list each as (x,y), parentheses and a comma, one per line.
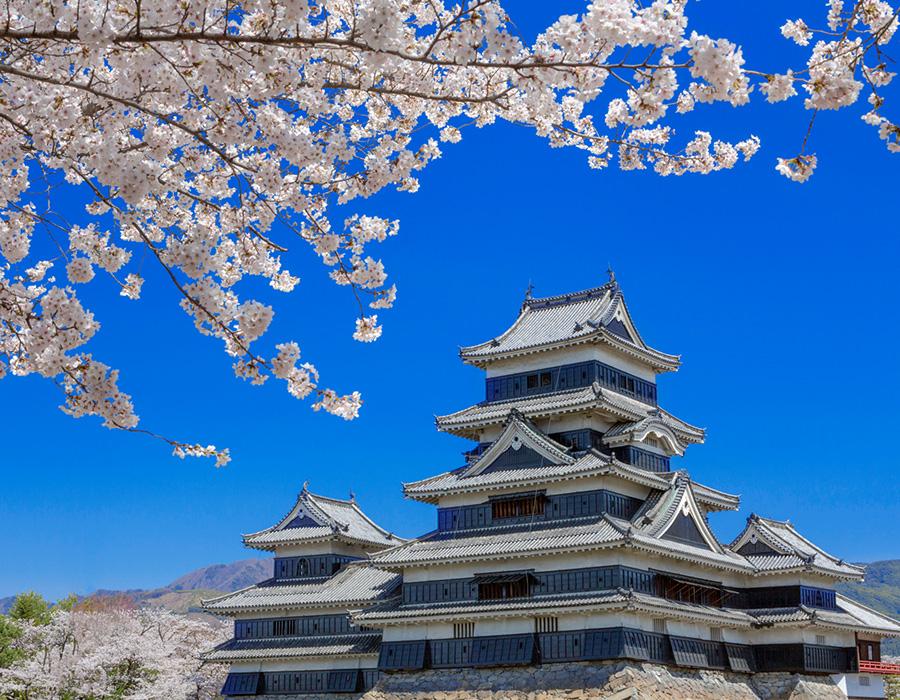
(547,462)
(618,407)
(315,519)
(593,316)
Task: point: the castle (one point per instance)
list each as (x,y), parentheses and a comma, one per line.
(565,537)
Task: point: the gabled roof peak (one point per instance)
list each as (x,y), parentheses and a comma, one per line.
(571,297)
(592,316)
(316,518)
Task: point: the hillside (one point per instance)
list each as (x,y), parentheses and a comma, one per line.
(881,591)
(185,593)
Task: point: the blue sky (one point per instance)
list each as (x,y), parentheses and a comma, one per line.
(781,298)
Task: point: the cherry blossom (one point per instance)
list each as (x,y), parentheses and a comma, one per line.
(214,139)
(141,654)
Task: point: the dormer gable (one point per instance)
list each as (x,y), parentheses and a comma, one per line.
(674,515)
(637,433)
(520,446)
(320,519)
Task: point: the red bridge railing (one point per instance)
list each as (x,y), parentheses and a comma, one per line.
(879,667)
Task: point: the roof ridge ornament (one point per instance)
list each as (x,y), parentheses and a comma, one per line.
(529,291)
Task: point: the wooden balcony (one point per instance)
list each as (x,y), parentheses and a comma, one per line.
(879,667)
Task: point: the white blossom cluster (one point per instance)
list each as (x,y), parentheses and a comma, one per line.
(211,140)
(144,654)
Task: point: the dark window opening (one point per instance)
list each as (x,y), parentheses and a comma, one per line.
(518,507)
(688,591)
(503,586)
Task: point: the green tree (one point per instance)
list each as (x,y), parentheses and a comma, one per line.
(32,607)
(9,633)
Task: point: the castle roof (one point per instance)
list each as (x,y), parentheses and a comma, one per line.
(342,645)
(597,316)
(776,546)
(392,612)
(587,464)
(594,398)
(315,518)
(355,585)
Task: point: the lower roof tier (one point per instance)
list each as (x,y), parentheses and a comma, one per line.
(848,615)
(326,647)
(356,585)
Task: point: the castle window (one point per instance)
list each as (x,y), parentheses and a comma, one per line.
(715,634)
(463,630)
(504,585)
(518,507)
(659,625)
(821,640)
(865,680)
(546,624)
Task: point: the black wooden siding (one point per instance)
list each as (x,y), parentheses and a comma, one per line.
(285,682)
(299,682)
(805,658)
(563,377)
(613,643)
(315,566)
(558,507)
(643,459)
(403,656)
(698,653)
(543,583)
(311,625)
(242,684)
(785,596)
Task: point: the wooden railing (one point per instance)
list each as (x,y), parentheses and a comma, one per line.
(879,667)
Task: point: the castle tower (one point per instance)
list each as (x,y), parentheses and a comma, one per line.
(292,633)
(568,536)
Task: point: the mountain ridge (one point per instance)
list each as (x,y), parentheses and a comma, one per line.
(185,593)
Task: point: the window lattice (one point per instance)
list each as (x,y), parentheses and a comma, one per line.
(546,624)
(463,630)
(659,625)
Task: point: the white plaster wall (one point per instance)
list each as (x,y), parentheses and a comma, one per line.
(320,664)
(851,686)
(287,611)
(299,550)
(567,356)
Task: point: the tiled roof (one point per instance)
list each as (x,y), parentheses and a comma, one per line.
(437,548)
(295,647)
(547,538)
(592,397)
(315,518)
(356,584)
(517,432)
(849,615)
(868,617)
(635,431)
(393,610)
(588,464)
(570,319)
(789,550)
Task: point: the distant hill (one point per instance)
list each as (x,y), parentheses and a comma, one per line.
(185,593)
(881,591)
